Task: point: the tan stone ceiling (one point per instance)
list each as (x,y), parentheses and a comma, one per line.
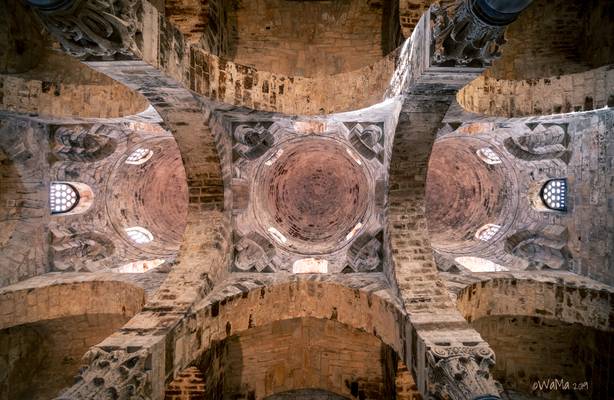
(308,38)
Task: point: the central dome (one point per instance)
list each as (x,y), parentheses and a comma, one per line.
(314,192)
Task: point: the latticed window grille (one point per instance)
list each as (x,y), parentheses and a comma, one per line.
(487,232)
(487,155)
(139,156)
(554,194)
(139,235)
(62,197)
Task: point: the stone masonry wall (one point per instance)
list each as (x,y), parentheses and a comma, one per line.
(548,37)
(570,302)
(576,354)
(61,86)
(582,91)
(188,385)
(225,81)
(41,358)
(24,216)
(556,59)
(298,354)
(43,299)
(309,39)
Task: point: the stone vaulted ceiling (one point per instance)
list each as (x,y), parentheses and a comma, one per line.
(305,196)
(316,215)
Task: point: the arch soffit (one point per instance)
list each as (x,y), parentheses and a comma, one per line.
(45,298)
(556,298)
(247,302)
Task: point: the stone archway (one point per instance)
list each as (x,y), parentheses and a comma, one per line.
(47,325)
(527,320)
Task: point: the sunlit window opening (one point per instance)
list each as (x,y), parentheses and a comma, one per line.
(139,156)
(487,155)
(554,194)
(487,232)
(62,197)
(477,264)
(139,235)
(139,267)
(310,266)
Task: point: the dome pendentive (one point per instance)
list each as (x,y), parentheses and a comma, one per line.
(305,202)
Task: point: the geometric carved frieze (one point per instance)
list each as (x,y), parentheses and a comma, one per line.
(254,253)
(91,28)
(252,140)
(367,139)
(365,253)
(304,195)
(85,142)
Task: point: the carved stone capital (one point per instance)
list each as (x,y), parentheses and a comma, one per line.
(461,372)
(470,32)
(111,374)
(460,37)
(94,28)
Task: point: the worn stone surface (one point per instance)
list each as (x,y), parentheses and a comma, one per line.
(300,353)
(206,313)
(579,355)
(43,357)
(61,86)
(582,91)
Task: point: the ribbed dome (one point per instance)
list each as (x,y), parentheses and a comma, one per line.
(464,193)
(314,194)
(152,195)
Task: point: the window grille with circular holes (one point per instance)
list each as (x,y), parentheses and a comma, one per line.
(139,235)
(487,155)
(487,232)
(554,194)
(139,156)
(62,197)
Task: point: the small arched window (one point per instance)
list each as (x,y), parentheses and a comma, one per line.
(487,155)
(477,264)
(63,197)
(139,235)
(277,235)
(139,156)
(554,194)
(139,267)
(487,232)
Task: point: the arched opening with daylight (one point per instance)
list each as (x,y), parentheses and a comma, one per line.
(271,200)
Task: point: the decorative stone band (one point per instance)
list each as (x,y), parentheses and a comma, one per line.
(470,32)
(103,28)
(461,372)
